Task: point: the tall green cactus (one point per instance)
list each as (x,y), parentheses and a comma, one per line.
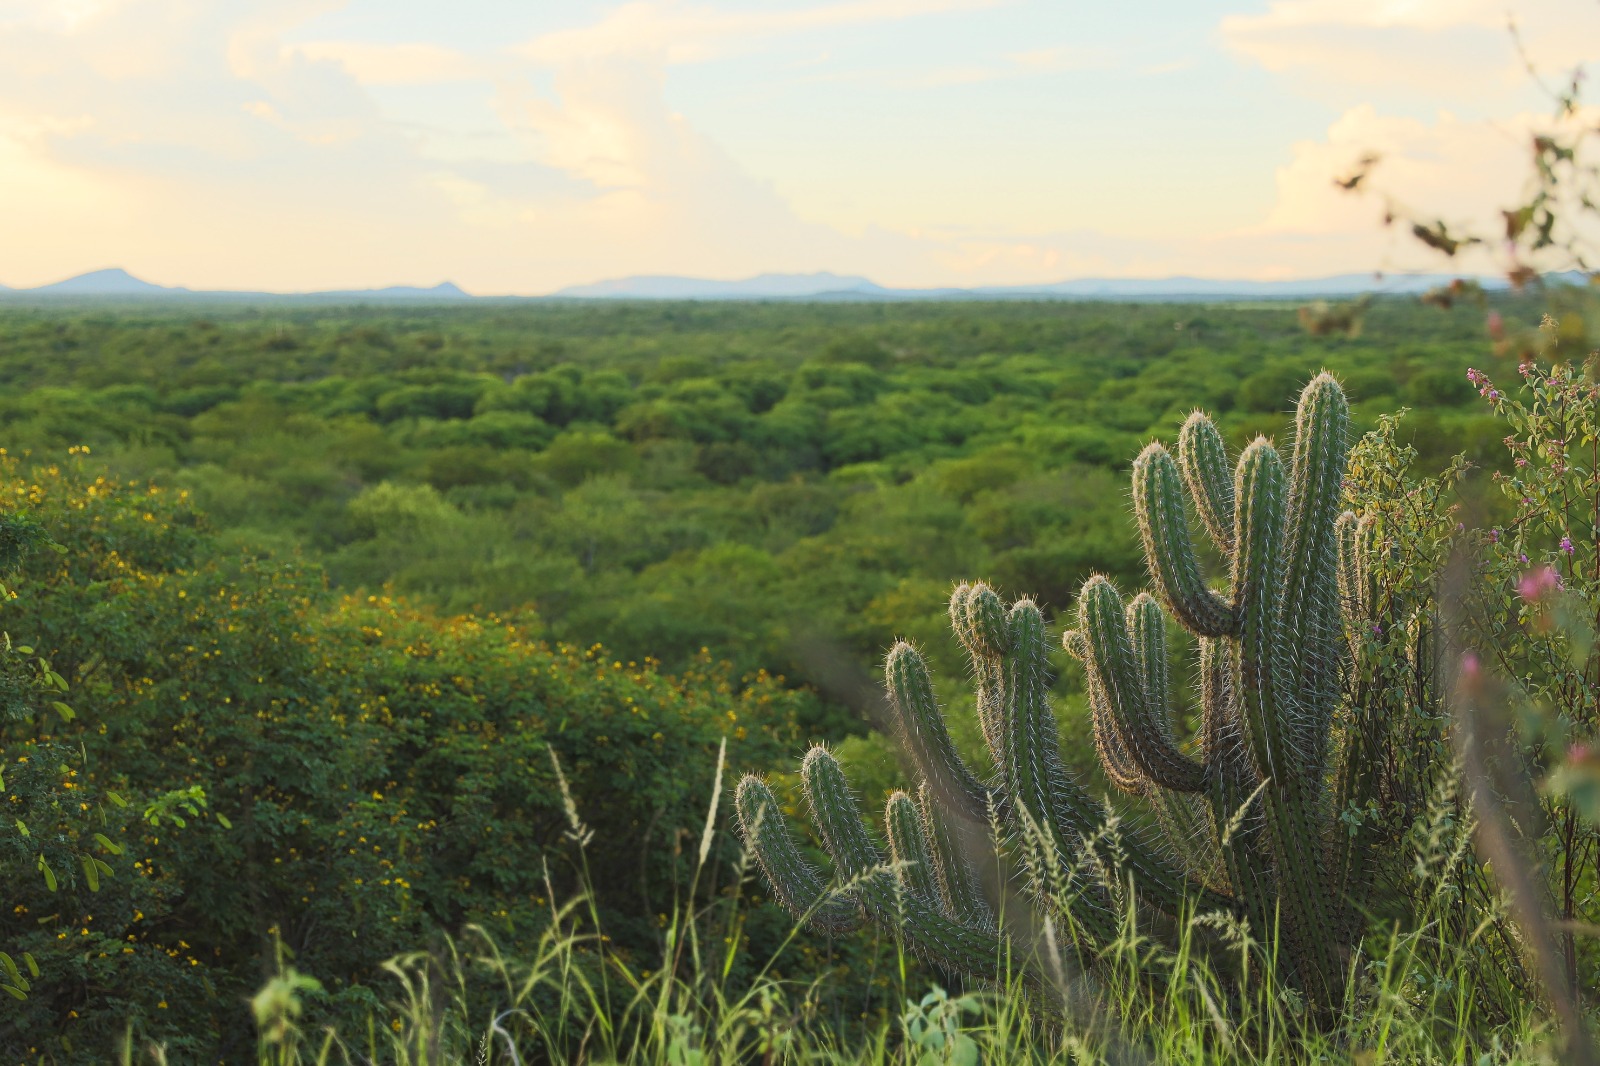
(1246,811)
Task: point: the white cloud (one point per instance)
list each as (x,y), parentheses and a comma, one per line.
(1460,50)
(684,33)
(397,64)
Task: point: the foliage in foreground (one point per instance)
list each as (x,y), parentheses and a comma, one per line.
(569,1000)
(254,760)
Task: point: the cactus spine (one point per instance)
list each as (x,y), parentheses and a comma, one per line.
(1247,812)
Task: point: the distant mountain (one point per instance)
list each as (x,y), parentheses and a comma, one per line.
(834,287)
(762,287)
(445,290)
(822,287)
(119,283)
(1189,287)
(113,282)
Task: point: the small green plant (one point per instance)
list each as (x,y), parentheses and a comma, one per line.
(933,1028)
(1251,817)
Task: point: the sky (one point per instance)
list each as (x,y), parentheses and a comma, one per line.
(518,146)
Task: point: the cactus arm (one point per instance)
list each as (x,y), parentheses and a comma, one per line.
(908,846)
(1183,815)
(1122,675)
(1168,551)
(957,946)
(1310,606)
(1182,818)
(921,729)
(953,868)
(1030,754)
(794,881)
(1147,627)
(979,620)
(1265,697)
(1115,761)
(1203,459)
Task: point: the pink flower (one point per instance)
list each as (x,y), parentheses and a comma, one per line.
(1534,584)
(1566,545)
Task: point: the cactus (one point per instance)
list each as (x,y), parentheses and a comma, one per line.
(1247,814)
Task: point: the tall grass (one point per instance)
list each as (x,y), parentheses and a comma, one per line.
(1421,993)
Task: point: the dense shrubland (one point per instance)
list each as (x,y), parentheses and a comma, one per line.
(667,478)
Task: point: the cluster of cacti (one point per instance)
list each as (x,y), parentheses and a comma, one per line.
(1249,814)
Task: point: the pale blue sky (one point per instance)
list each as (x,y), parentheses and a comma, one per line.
(521,146)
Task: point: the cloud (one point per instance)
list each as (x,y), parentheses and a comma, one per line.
(1459,50)
(397,64)
(683,33)
(1450,169)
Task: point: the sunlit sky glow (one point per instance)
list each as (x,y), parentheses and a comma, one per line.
(517,146)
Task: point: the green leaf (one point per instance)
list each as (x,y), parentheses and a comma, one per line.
(107,843)
(118,800)
(222,820)
(178,821)
(67,713)
(91,873)
(23,649)
(49,874)
(22,827)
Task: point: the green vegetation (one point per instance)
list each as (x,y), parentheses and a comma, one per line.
(383,670)
(666,478)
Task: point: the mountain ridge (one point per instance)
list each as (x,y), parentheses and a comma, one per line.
(116,282)
(821,286)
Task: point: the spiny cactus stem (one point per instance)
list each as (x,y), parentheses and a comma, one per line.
(1117,669)
(909,847)
(921,729)
(958,946)
(793,880)
(954,843)
(1030,755)
(1158,503)
(1310,607)
(1267,700)
(1203,458)
(979,620)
